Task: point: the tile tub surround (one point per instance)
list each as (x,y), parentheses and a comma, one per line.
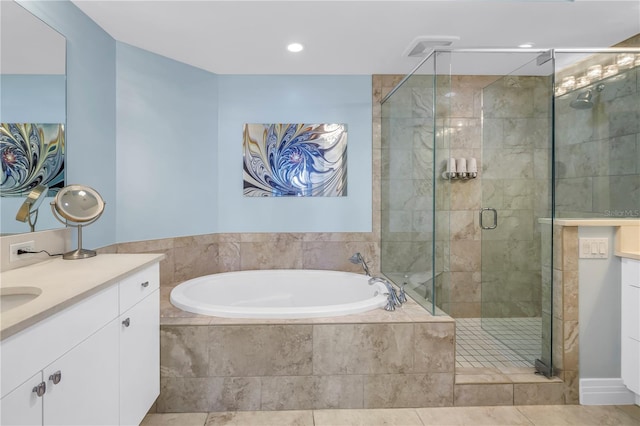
(376,359)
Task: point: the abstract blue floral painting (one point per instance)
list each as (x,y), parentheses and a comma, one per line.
(295,160)
(31,154)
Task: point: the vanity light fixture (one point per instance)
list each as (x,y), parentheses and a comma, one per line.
(295,47)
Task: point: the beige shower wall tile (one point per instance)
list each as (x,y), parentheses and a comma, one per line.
(571,345)
(260,350)
(310,392)
(465,309)
(184,351)
(434,347)
(483,394)
(570,248)
(465,225)
(195,240)
(408,390)
(281,254)
(558,294)
(335,255)
(466,195)
(465,256)
(208,394)
(229,256)
(362,348)
(571,387)
(191,261)
(570,295)
(466,287)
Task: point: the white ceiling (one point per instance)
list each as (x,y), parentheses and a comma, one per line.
(351,37)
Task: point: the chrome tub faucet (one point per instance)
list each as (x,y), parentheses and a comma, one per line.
(392,297)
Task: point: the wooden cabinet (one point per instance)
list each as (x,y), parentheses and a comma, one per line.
(95,362)
(630,327)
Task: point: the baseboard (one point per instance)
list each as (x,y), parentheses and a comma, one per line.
(605,392)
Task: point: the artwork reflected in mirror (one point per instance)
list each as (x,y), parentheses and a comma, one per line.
(31,154)
(295,160)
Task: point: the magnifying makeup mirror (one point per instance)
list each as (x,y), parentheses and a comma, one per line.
(29,209)
(83,206)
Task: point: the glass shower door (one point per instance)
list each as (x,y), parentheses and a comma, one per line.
(515,213)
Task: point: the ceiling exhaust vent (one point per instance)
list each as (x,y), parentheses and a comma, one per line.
(420,46)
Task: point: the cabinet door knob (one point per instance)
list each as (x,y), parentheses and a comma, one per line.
(126,322)
(56,377)
(145,284)
(40,389)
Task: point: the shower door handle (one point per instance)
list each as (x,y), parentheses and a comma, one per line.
(495,218)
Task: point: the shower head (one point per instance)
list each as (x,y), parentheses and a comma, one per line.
(584,99)
(356,258)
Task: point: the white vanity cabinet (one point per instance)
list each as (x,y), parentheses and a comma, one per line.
(92,366)
(630,327)
(139,345)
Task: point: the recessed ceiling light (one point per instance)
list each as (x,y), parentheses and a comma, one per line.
(295,47)
(526,45)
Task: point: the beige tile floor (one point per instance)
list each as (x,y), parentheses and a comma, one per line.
(540,415)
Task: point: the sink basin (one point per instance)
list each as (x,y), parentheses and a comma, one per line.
(12,297)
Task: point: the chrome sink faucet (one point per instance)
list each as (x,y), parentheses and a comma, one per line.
(358,259)
(392,297)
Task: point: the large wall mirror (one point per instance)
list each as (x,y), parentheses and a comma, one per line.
(32,90)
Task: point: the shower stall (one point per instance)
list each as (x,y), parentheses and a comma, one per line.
(480,150)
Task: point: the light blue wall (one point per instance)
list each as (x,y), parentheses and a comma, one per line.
(32,98)
(179,139)
(91,100)
(167,115)
(294,99)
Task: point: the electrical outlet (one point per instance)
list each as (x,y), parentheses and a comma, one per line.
(13,248)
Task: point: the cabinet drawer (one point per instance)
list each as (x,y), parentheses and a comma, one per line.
(137,286)
(34,348)
(630,272)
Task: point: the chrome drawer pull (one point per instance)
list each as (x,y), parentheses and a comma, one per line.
(56,377)
(40,389)
(145,284)
(126,322)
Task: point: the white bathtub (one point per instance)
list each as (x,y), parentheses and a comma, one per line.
(280,293)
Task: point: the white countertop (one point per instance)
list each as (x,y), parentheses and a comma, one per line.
(63,283)
(566,221)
